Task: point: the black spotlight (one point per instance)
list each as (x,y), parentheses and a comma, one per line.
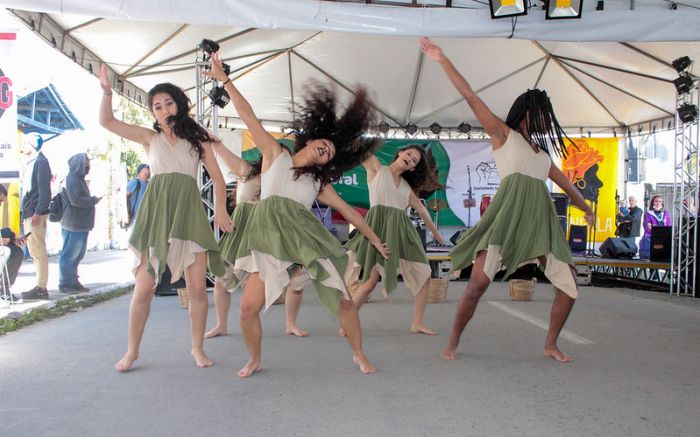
(558,9)
(681,63)
(219,96)
(683,83)
(507,8)
(411,129)
(383,127)
(600,6)
(209,46)
(687,112)
(435,128)
(464,127)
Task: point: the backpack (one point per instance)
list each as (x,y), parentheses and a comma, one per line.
(57,206)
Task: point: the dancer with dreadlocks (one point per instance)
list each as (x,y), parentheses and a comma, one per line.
(520,225)
(171,226)
(392,189)
(247,195)
(281,232)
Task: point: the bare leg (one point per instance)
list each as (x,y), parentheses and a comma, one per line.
(252,303)
(350,323)
(362,292)
(561,308)
(421,299)
(222,304)
(140,308)
(195,277)
(478,283)
(291,308)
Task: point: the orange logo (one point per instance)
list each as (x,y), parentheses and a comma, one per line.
(579,158)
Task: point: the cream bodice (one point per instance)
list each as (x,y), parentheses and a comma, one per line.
(167,158)
(383,190)
(517,156)
(278,180)
(248,191)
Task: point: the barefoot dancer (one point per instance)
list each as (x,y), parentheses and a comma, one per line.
(282,232)
(171,226)
(520,225)
(392,189)
(247,195)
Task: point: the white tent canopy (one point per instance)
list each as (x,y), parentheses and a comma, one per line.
(594,86)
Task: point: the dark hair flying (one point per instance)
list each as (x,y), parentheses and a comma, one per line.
(542,125)
(255,169)
(318,120)
(183,125)
(424,177)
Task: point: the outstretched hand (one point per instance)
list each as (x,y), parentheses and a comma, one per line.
(104,82)
(432,50)
(382,249)
(217,68)
(223,221)
(590,219)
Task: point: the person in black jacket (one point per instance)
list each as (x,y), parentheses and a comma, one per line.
(35,210)
(77,222)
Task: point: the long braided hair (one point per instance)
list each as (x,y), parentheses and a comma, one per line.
(318,120)
(543,128)
(183,125)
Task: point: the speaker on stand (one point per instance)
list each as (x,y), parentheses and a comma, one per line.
(561,205)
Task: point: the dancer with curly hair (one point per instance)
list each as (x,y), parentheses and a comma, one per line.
(521,224)
(282,234)
(392,189)
(171,227)
(247,195)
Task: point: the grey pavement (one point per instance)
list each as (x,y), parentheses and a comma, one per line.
(637,357)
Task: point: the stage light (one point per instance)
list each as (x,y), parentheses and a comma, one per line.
(683,83)
(507,8)
(411,129)
(219,96)
(687,112)
(209,46)
(558,9)
(383,127)
(435,128)
(681,63)
(600,6)
(464,127)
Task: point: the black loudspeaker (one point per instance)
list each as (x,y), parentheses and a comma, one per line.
(165,288)
(561,203)
(578,237)
(455,237)
(618,248)
(660,247)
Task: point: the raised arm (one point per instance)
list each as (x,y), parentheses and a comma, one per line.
(137,134)
(330,197)
(423,213)
(372,166)
(236,164)
(494,126)
(577,199)
(268,145)
(221,217)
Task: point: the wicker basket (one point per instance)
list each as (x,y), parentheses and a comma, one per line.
(184,296)
(521,289)
(352,289)
(438,290)
(280,300)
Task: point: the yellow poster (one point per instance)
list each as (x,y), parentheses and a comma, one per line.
(249,144)
(592,167)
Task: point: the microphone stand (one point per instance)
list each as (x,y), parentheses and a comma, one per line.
(591,252)
(469,198)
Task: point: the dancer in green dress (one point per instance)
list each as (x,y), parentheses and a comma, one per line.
(282,233)
(171,227)
(521,224)
(247,195)
(392,189)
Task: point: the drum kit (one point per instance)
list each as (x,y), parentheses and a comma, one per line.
(435,206)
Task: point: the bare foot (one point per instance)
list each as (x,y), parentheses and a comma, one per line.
(449,353)
(341,332)
(125,363)
(295,330)
(216,331)
(365,366)
(201,358)
(557,355)
(250,367)
(422,329)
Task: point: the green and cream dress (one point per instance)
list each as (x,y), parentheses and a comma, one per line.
(247,195)
(521,223)
(387,218)
(282,235)
(171,225)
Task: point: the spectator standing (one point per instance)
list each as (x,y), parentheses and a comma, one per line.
(136,189)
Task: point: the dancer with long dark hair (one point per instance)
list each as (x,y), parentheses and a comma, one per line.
(282,233)
(392,189)
(521,224)
(171,227)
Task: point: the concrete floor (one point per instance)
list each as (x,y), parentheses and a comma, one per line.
(637,358)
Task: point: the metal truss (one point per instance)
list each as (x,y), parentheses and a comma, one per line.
(685,199)
(659,275)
